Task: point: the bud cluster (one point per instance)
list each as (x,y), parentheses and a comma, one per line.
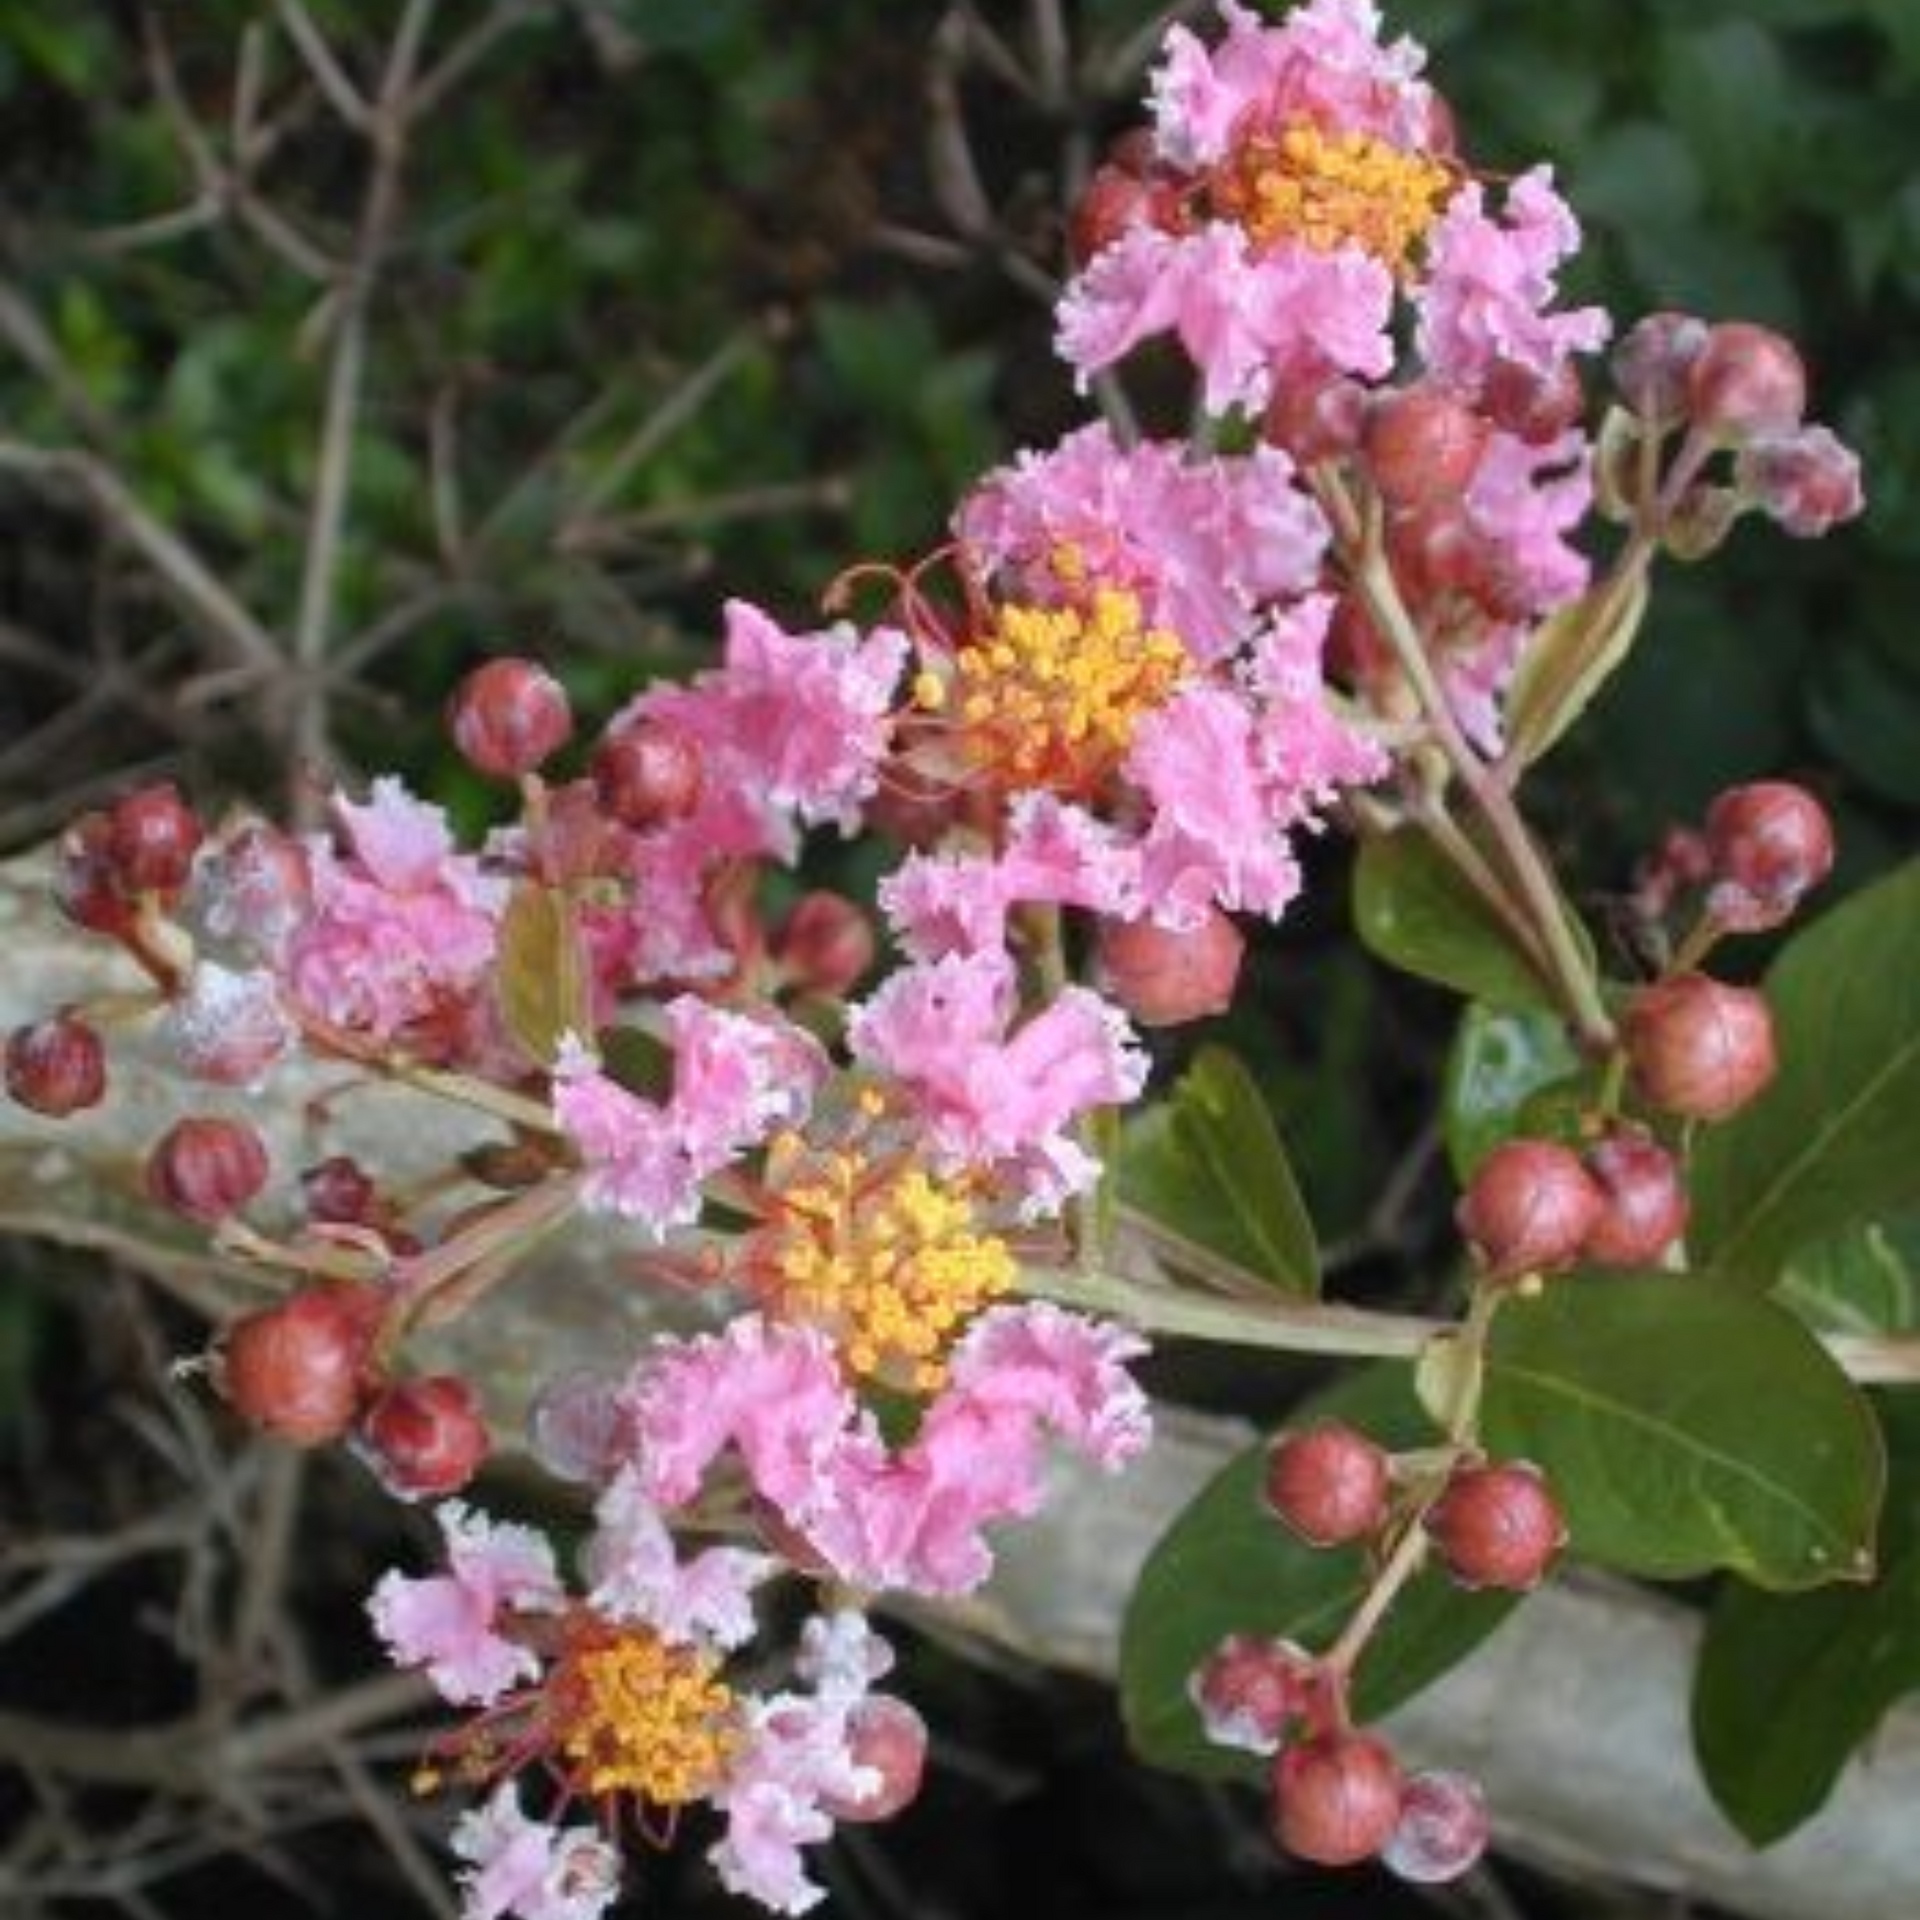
(1537,1207)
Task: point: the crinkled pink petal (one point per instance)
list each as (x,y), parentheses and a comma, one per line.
(987,1097)
(529,1869)
(403,843)
(1203,543)
(771,1392)
(800,720)
(637,1573)
(1490,284)
(1523,502)
(447,1623)
(1306,752)
(636,1162)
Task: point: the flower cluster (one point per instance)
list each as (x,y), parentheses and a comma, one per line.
(1104,715)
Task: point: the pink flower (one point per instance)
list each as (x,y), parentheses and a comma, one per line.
(1323,63)
(400,922)
(772,1393)
(799,721)
(228,1027)
(990,1097)
(1202,543)
(1056,855)
(529,1869)
(735,1079)
(448,1623)
(1490,283)
(1306,752)
(1522,503)
(636,1573)
(1246,319)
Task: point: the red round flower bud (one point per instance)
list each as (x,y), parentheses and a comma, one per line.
(1497,1526)
(648,774)
(207,1169)
(1645,1208)
(57,1066)
(1164,977)
(1248,1691)
(1443,1829)
(1700,1048)
(1746,383)
(825,945)
(1336,1799)
(1529,1208)
(1328,1482)
(887,1735)
(297,1370)
(338,1192)
(509,717)
(1652,362)
(1536,407)
(152,837)
(1807,482)
(1314,421)
(425,1438)
(1437,552)
(86,877)
(1423,443)
(1771,843)
(1116,201)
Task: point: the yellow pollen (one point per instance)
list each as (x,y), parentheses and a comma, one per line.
(929,691)
(1332,190)
(887,1264)
(633,1715)
(1051,695)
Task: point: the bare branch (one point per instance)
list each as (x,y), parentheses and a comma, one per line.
(311,44)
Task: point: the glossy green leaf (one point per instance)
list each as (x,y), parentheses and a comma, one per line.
(543,980)
(1414,912)
(1687,1425)
(1227,1566)
(1207,1165)
(1835,1139)
(1566,663)
(1498,1061)
(1789,1686)
(1863,1281)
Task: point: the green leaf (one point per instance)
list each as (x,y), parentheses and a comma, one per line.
(1687,1425)
(1414,912)
(543,978)
(1226,1566)
(1832,1141)
(1789,1686)
(1569,659)
(1207,1164)
(1863,1281)
(1498,1060)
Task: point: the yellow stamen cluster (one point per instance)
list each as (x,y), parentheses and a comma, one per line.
(886,1262)
(1050,696)
(1332,190)
(632,1715)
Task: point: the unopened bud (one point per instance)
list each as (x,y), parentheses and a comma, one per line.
(1316,420)
(86,877)
(338,1192)
(1747,383)
(887,1736)
(1497,1526)
(1248,1692)
(1700,1048)
(648,774)
(1336,1798)
(207,1169)
(153,836)
(1645,1208)
(1529,1208)
(425,1438)
(1534,407)
(825,945)
(1771,844)
(1165,977)
(1808,482)
(56,1067)
(1652,363)
(1423,443)
(1443,1829)
(509,717)
(297,1370)
(1117,201)
(1328,1483)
